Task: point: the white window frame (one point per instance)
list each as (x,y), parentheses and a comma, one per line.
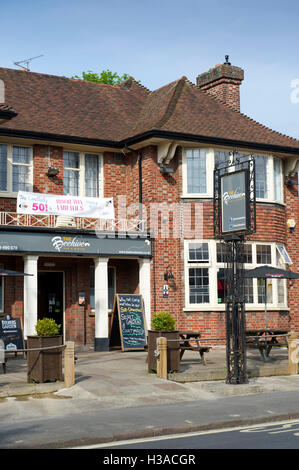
(210,159)
(214,267)
(9,192)
(81,171)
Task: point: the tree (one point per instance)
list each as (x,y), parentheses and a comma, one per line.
(106,76)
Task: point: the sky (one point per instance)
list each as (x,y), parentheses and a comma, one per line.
(159,41)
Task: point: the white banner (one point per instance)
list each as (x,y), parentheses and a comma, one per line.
(54,204)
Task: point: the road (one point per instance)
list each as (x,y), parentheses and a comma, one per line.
(53,422)
(281,435)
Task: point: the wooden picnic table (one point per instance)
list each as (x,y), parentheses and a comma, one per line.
(265,339)
(189,337)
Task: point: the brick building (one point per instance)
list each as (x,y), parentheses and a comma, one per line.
(153,152)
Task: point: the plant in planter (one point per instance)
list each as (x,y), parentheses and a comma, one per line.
(45,365)
(163,324)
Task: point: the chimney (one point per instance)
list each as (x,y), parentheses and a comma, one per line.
(223,81)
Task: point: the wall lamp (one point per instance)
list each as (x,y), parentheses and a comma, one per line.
(52,172)
(168,275)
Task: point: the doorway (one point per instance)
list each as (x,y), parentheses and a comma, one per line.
(50,296)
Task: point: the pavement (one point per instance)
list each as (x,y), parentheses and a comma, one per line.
(119,388)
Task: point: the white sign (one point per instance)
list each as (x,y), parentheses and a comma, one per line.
(54,204)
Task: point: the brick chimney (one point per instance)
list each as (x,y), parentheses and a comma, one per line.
(223,81)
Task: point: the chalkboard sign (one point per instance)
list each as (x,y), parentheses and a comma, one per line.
(127,324)
(11,333)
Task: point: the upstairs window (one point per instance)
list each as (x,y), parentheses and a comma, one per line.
(196,171)
(16,172)
(199,164)
(82,174)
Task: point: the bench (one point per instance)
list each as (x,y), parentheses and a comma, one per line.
(264,344)
(192,336)
(202,350)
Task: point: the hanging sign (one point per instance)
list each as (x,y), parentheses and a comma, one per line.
(234,190)
(127,323)
(75,206)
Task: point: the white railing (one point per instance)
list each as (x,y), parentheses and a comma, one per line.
(53,221)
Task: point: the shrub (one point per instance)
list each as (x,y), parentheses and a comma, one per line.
(163,321)
(47,327)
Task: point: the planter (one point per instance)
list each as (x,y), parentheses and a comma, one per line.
(173,350)
(44,366)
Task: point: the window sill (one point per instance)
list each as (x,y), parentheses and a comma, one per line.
(7,194)
(221,308)
(210,196)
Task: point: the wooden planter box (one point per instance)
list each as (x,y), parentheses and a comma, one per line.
(173,350)
(44,366)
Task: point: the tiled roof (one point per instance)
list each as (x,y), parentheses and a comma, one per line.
(59,105)
(188,110)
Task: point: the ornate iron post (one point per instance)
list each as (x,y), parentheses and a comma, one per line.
(227,228)
(235,311)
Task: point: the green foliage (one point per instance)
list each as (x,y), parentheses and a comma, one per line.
(163,321)
(47,327)
(106,76)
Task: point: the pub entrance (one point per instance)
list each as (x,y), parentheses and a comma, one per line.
(50,296)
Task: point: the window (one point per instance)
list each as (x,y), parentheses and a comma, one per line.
(196,171)
(3,167)
(15,168)
(71,171)
(198,251)
(277,179)
(221,157)
(199,285)
(263,254)
(283,255)
(91,175)
(111,288)
(82,174)
(198,166)
(261,176)
(205,264)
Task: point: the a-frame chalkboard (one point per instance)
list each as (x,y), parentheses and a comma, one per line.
(11,332)
(127,330)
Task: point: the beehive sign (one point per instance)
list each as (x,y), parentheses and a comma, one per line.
(127,323)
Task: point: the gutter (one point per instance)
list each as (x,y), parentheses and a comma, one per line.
(62,138)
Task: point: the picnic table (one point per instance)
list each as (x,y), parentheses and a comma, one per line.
(189,337)
(265,339)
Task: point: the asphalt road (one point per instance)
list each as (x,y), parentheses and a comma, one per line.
(281,435)
(57,422)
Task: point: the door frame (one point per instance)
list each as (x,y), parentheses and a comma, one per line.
(63,293)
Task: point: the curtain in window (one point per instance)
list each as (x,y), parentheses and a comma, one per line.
(196,171)
(20,170)
(3,168)
(91,175)
(71,165)
(277,179)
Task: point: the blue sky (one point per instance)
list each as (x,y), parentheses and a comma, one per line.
(158,41)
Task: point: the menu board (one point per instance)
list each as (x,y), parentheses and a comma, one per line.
(11,333)
(127,323)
